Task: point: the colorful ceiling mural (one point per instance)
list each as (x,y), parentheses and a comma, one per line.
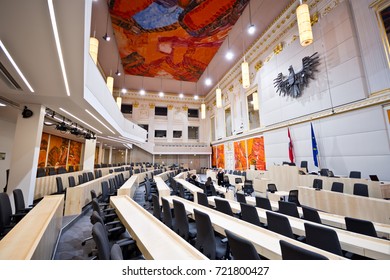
(173,39)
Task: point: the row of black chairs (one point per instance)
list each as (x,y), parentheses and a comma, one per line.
(358,188)
(48,171)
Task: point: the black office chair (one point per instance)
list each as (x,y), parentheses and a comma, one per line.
(107,214)
(51,171)
(360,226)
(355,174)
(61,170)
(185,193)
(293,252)
(20,206)
(263,202)
(81,179)
(241,197)
(202,199)
(70,168)
(360,189)
(223,206)
(317,184)
(240,248)
(288,208)
(85,177)
(206,241)
(248,187)
(71,181)
(279,224)
(337,187)
(168,220)
(324,172)
(323,238)
(7,219)
(271,188)
(293,197)
(60,186)
(304,165)
(249,214)
(311,214)
(116,252)
(156,207)
(183,227)
(41,172)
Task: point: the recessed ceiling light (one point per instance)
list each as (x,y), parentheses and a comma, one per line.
(142,92)
(196,97)
(181,95)
(161,94)
(251,29)
(124,90)
(208,82)
(229,55)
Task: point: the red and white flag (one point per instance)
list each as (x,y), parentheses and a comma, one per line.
(290,147)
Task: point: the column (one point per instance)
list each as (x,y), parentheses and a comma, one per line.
(110,156)
(25,153)
(126,156)
(89,154)
(101,153)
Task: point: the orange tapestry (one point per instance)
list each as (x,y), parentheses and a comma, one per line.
(75,154)
(214,156)
(240,157)
(221,156)
(43,150)
(256,154)
(58,151)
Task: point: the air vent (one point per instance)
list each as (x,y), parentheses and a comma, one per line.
(8,79)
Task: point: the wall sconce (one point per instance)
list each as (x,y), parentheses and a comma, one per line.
(245,74)
(218,93)
(304,25)
(203,111)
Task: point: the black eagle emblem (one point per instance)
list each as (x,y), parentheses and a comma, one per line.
(295,82)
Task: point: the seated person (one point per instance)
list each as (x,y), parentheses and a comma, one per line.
(220,175)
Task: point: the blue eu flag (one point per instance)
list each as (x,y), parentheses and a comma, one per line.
(314,146)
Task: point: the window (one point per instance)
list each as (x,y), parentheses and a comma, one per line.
(161,111)
(193,132)
(127,108)
(193,113)
(228,121)
(160,133)
(177,134)
(145,126)
(212,125)
(253,115)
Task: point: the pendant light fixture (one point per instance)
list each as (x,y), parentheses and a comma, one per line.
(255,97)
(110,83)
(117,67)
(142,91)
(218,97)
(251,27)
(229,55)
(304,25)
(161,93)
(245,74)
(106,37)
(203,110)
(94,47)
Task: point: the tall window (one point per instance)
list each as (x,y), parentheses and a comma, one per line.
(253,115)
(177,133)
(193,113)
(160,111)
(228,121)
(127,108)
(193,132)
(212,126)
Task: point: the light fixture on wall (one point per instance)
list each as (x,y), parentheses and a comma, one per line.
(110,83)
(208,79)
(203,110)
(94,48)
(229,55)
(245,74)
(218,97)
(251,27)
(118,73)
(304,25)
(106,36)
(255,97)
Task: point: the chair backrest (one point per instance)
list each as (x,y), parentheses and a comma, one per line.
(248,187)
(263,202)
(240,248)
(19,200)
(167,214)
(241,197)
(71,181)
(93,194)
(360,226)
(304,165)
(293,197)
(81,179)
(156,206)
(213,191)
(181,226)
(116,252)
(61,170)
(85,177)
(249,214)
(293,252)
(41,172)
(237,180)
(223,206)
(202,199)
(360,189)
(323,238)
(60,187)
(100,237)
(324,172)
(311,214)
(51,171)
(288,208)
(90,176)
(271,188)
(355,174)
(317,184)
(337,187)
(279,224)
(205,238)
(70,168)
(226,181)
(105,191)
(5,211)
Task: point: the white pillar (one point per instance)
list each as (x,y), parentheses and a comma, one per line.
(110,156)
(126,156)
(25,153)
(89,154)
(101,152)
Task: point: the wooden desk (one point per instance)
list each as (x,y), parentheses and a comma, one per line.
(266,242)
(371,247)
(155,240)
(366,208)
(276,196)
(129,187)
(192,188)
(229,194)
(163,189)
(165,174)
(183,175)
(35,236)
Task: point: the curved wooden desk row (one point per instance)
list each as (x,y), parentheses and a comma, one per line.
(130,186)
(183,175)
(154,239)
(232,178)
(375,248)
(265,241)
(334,220)
(80,195)
(35,236)
(165,174)
(192,188)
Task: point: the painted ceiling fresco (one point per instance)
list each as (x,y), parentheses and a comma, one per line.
(173,39)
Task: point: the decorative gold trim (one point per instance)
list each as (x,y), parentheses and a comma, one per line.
(231,88)
(170,107)
(278,48)
(151,105)
(380,92)
(185,108)
(314,18)
(258,65)
(135,104)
